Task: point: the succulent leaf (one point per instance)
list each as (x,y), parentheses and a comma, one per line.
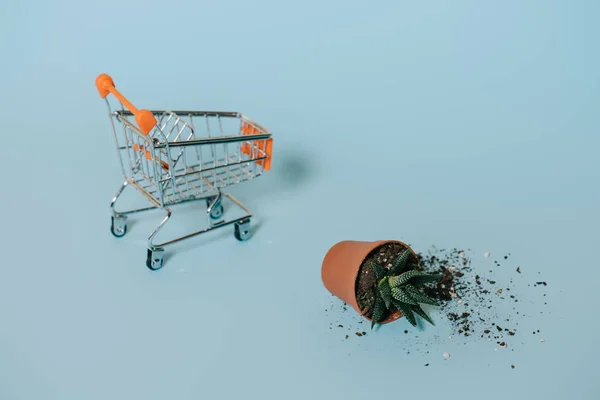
(380,272)
(406,310)
(386,291)
(400,262)
(400,295)
(418,296)
(379,311)
(398,280)
(425,278)
(418,310)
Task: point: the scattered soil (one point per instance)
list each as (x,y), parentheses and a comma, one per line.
(469,298)
(466,298)
(366,282)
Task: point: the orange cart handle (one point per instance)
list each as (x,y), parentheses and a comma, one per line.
(144,118)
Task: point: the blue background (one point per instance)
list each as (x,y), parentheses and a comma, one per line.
(456,124)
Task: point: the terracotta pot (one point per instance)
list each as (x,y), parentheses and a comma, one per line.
(341,266)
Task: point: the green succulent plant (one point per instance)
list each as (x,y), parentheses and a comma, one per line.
(398,289)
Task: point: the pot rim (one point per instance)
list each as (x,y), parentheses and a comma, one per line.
(396,314)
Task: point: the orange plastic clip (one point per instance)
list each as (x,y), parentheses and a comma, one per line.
(268,151)
(263,146)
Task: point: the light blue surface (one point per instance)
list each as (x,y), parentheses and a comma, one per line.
(471,124)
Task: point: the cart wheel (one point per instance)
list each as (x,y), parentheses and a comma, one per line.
(118,226)
(154,260)
(242,230)
(217,211)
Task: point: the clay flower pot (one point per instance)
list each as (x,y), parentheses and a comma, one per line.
(341,267)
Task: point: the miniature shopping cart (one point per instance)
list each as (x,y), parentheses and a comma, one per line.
(172,157)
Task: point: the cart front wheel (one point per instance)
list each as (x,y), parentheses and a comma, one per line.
(242,230)
(154,260)
(118,226)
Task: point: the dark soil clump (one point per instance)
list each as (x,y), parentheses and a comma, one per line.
(442,289)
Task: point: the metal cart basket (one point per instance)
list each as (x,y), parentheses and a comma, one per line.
(172,157)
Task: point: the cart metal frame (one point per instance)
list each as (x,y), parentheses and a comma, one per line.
(163,156)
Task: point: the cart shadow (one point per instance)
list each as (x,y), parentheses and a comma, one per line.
(207,239)
(293,169)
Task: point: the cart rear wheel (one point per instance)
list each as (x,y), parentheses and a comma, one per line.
(154,259)
(118,226)
(217,211)
(242,230)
